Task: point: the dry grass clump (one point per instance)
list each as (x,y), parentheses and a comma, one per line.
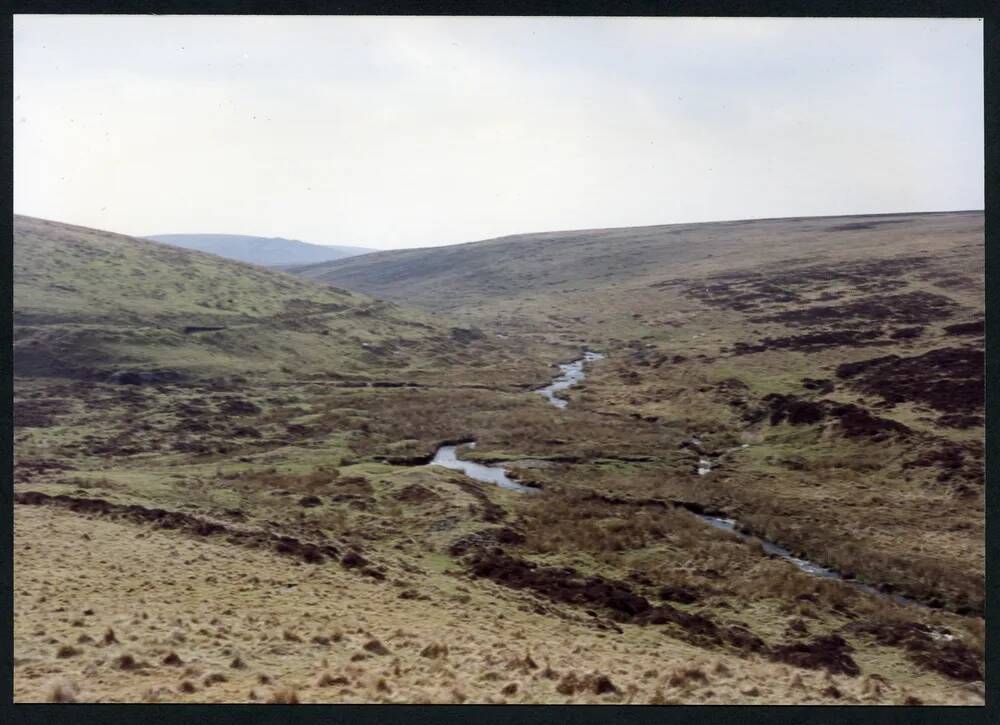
(659,698)
(860,459)
(272,479)
(320,639)
(434,650)
(598,684)
(403,415)
(128,662)
(781,580)
(873,686)
(157,694)
(423,418)
(376,647)
(976,629)
(68,650)
(721,669)
(574,521)
(524,663)
(686,677)
(283,695)
(328,680)
(923,577)
(62,691)
(548,673)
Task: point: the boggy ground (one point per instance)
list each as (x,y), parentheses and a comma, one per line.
(851,440)
(611,580)
(276,538)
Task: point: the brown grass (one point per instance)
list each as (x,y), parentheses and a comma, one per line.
(62,690)
(283,695)
(852,504)
(480,638)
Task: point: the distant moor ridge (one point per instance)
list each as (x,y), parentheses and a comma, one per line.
(568,262)
(265,251)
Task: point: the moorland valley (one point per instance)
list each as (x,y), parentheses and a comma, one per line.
(755,476)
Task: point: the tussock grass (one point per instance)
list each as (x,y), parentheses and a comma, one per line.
(283,695)
(62,690)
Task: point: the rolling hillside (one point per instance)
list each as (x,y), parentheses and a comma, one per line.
(265,251)
(244,452)
(570,264)
(92,304)
(840,352)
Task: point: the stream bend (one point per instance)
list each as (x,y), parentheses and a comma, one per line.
(573,373)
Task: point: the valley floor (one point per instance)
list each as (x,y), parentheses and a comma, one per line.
(276,534)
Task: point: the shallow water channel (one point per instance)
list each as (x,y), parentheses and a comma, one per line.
(447,456)
(805,565)
(573,373)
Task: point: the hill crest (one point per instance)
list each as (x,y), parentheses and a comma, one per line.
(93,304)
(265,251)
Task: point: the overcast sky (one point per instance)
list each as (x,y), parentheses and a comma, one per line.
(406,132)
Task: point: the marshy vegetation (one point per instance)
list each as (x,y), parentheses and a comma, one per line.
(253,525)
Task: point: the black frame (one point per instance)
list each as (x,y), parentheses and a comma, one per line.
(509,714)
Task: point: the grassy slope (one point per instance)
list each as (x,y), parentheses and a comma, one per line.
(485,273)
(246,456)
(89,302)
(289,632)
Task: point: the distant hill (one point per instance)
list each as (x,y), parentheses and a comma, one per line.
(265,251)
(569,268)
(90,304)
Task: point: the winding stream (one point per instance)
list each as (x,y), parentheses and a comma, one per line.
(447,456)
(805,565)
(572,373)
